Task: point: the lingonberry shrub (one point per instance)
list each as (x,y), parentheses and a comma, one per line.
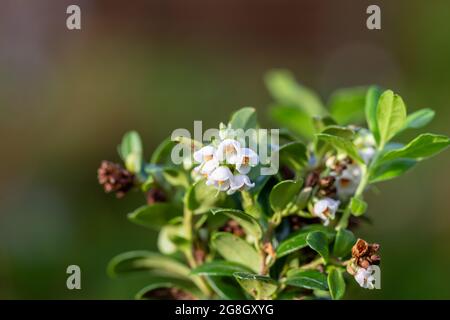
(225,230)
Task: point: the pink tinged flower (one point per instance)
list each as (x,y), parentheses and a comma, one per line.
(247,158)
(365,277)
(326,209)
(240,182)
(204,154)
(220,178)
(228,151)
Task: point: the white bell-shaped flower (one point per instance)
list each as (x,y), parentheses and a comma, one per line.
(365,277)
(347,182)
(326,209)
(240,182)
(247,158)
(220,178)
(228,151)
(204,154)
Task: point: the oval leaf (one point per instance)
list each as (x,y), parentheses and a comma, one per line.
(336,283)
(284,193)
(391,116)
(237,250)
(309,279)
(156,215)
(220,268)
(372,97)
(341,145)
(247,222)
(343,243)
(318,241)
(259,287)
(292,244)
(390,169)
(244,119)
(419,119)
(358,206)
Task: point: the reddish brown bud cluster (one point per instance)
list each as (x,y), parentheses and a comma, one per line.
(114,178)
(233,227)
(364,255)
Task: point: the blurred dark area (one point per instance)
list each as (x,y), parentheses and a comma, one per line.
(67,97)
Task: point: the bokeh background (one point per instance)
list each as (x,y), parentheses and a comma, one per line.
(66,98)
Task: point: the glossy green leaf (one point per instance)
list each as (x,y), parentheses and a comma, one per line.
(162,153)
(341,145)
(391,116)
(153,291)
(220,268)
(259,287)
(171,238)
(246,221)
(226,288)
(285,90)
(343,243)
(358,206)
(235,249)
(293,243)
(390,169)
(156,215)
(244,119)
(130,150)
(419,119)
(347,105)
(318,241)
(308,279)
(284,193)
(201,198)
(322,145)
(134,261)
(372,98)
(424,146)
(294,155)
(336,283)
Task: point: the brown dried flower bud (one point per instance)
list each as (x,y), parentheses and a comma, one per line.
(363,263)
(360,248)
(327,181)
(114,178)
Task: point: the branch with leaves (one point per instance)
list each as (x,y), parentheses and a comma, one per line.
(224,231)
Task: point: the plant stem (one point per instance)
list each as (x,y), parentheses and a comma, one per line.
(187,222)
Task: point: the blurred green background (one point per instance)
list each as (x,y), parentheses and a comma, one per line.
(66,98)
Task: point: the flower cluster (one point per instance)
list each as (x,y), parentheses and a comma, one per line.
(364,257)
(226,165)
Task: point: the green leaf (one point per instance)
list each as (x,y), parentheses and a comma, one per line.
(419,119)
(347,105)
(246,221)
(292,244)
(237,250)
(162,153)
(294,155)
(294,119)
(309,279)
(424,146)
(170,238)
(156,215)
(343,243)
(130,150)
(244,119)
(358,206)
(259,287)
(226,288)
(391,116)
(284,193)
(322,146)
(372,98)
(134,261)
(285,90)
(201,198)
(336,283)
(341,145)
(390,169)
(173,175)
(220,268)
(149,291)
(318,241)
